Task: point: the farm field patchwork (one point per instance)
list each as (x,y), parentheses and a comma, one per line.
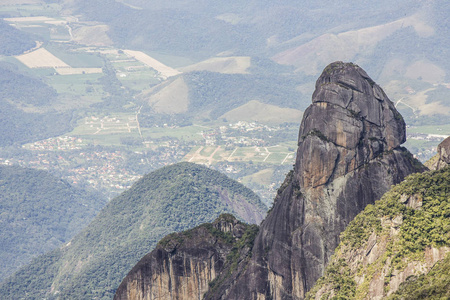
(165,71)
(212,154)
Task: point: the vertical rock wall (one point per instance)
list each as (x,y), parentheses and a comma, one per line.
(183,264)
(348,156)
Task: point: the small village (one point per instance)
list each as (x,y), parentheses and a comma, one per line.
(112,170)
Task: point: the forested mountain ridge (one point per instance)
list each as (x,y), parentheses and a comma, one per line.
(94,262)
(39,212)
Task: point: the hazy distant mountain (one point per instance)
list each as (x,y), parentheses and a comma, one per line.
(170,199)
(403,44)
(25,108)
(38,213)
(202,28)
(202,94)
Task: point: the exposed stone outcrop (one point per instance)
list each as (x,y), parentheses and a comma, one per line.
(393,243)
(183,264)
(442,158)
(348,156)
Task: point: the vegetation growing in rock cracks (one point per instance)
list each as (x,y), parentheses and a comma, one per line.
(427,224)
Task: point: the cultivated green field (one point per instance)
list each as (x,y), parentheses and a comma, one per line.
(433,129)
(27,10)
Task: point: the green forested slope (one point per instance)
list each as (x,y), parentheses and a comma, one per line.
(433,285)
(18,91)
(14,41)
(93,264)
(22,89)
(409,221)
(38,212)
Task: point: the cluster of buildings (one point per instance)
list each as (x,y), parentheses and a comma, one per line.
(231,135)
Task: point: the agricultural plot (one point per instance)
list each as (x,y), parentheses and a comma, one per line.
(83,85)
(41,58)
(213,154)
(56,29)
(109,130)
(78,71)
(28,8)
(443,130)
(123,123)
(131,72)
(164,70)
(187,133)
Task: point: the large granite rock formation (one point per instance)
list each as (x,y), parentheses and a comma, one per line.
(184,264)
(348,156)
(442,158)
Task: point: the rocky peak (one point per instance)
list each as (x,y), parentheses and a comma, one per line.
(350,122)
(348,156)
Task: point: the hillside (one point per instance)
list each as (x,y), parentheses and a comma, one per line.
(189,262)
(200,95)
(393,247)
(304,34)
(93,263)
(25,108)
(14,41)
(201,30)
(39,213)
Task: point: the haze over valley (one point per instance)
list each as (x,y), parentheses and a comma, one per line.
(108,102)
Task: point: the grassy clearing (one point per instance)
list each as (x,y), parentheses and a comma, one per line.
(433,129)
(76,59)
(263,177)
(139,80)
(27,10)
(79,85)
(188,133)
(126,64)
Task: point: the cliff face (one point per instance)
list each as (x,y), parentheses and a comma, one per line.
(348,156)
(389,249)
(442,158)
(183,264)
